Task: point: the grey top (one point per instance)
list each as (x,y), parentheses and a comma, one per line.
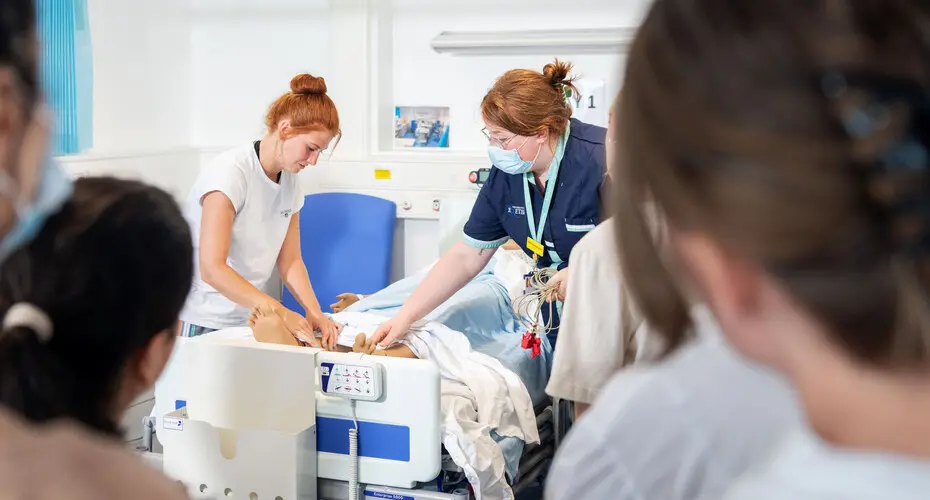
(806,468)
(684,429)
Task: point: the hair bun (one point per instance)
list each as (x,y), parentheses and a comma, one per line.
(557,72)
(307,84)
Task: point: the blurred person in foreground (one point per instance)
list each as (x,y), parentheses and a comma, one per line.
(55,460)
(787,145)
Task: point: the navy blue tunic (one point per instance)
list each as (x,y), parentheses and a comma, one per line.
(499,213)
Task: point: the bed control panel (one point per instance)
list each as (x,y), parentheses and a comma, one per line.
(356,380)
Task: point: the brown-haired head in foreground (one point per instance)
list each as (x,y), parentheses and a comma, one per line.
(793,135)
(527,102)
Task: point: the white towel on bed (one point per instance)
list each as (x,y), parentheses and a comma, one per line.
(470,444)
(478,395)
(503,401)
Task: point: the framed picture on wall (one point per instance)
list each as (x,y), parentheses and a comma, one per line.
(421,127)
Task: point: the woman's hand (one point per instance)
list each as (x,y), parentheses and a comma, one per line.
(319,322)
(560,278)
(390,331)
(297,325)
(345,300)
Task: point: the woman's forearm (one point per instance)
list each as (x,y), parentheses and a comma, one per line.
(453,270)
(297,280)
(234,287)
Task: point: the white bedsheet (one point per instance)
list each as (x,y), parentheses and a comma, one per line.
(478,395)
(511,267)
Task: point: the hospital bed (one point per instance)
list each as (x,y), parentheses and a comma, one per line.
(426,474)
(399,436)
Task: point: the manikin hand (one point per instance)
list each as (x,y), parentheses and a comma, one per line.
(345,300)
(364,345)
(367,346)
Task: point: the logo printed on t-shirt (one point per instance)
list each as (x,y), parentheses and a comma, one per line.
(286,213)
(516,211)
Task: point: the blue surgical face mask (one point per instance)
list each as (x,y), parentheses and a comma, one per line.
(53,189)
(509,161)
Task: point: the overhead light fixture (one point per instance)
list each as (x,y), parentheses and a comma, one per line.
(575,41)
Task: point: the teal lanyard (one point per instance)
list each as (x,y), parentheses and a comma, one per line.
(536,232)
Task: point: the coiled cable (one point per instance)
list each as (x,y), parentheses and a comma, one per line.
(539,295)
(353,456)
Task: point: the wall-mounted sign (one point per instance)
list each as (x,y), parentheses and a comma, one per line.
(589,104)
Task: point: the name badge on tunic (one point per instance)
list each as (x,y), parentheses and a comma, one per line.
(534,246)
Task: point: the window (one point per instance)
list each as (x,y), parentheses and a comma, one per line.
(67,72)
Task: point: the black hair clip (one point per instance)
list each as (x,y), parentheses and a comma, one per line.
(897,180)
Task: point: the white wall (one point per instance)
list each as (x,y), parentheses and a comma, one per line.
(243,56)
(142,94)
(176,81)
(142,72)
(423,77)
(173,170)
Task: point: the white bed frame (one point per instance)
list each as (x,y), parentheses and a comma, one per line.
(404,452)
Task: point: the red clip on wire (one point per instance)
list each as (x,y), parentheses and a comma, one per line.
(532,342)
(527,340)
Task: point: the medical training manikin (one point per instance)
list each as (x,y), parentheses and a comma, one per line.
(271,327)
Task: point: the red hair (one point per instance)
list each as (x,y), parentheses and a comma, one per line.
(526,102)
(306,106)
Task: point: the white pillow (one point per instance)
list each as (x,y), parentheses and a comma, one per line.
(510,266)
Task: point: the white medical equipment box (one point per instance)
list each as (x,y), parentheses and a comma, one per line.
(215,463)
(248,430)
(399,432)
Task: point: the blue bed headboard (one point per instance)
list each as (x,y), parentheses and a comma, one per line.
(347,241)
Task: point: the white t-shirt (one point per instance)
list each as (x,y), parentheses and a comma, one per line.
(682,429)
(807,468)
(596,336)
(263,212)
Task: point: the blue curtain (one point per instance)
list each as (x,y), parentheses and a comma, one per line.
(67,72)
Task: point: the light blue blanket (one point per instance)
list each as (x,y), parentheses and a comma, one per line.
(482,311)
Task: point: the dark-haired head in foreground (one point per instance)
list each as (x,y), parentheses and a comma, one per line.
(111,271)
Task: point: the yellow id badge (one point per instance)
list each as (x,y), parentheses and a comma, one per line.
(534,246)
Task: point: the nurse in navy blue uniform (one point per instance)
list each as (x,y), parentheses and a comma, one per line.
(544,192)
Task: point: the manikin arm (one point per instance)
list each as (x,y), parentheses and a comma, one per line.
(271,328)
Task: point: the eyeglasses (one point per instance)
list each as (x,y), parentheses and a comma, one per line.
(493,140)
